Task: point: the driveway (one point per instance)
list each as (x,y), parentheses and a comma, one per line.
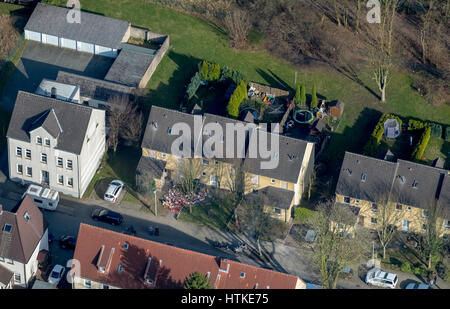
(40,61)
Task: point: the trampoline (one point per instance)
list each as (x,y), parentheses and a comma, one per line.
(303,116)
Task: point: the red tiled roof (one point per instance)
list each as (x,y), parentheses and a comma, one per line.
(166,266)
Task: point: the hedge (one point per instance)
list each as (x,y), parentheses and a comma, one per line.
(447,134)
(377,134)
(238,96)
(416,124)
(422,144)
(209,72)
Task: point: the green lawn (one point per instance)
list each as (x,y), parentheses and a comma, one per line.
(438,147)
(215,212)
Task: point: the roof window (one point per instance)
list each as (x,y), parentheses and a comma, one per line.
(363,177)
(7,228)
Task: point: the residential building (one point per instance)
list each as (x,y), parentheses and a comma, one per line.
(287,181)
(410,189)
(111,260)
(23,234)
(54,143)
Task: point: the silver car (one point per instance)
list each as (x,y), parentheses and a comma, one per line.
(56,274)
(113,191)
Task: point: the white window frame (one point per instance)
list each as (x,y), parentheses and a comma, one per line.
(19,150)
(27,151)
(67,164)
(17,169)
(42,156)
(372,222)
(205,162)
(37,140)
(349,200)
(163,155)
(68,182)
(45,142)
(423,214)
(213,183)
(255,180)
(57,162)
(31,169)
(57,179)
(398,205)
(403,225)
(275,211)
(374,210)
(272,181)
(17,276)
(356,202)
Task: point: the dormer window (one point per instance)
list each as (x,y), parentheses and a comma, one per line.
(169,131)
(125,246)
(47,142)
(415,184)
(402,179)
(7,228)
(349,172)
(27,217)
(38,140)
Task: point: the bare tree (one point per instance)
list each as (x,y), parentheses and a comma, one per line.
(431,241)
(381,54)
(386,226)
(125,121)
(254,221)
(238,24)
(425,30)
(189,170)
(338,242)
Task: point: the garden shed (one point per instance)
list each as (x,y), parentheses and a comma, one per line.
(391,128)
(336,108)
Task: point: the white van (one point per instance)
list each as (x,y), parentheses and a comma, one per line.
(44,198)
(380,278)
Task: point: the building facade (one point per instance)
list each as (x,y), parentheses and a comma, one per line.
(54,143)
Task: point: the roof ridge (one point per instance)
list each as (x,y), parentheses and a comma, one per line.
(423,165)
(370,158)
(57,101)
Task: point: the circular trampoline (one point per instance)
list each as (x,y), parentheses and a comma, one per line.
(303,116)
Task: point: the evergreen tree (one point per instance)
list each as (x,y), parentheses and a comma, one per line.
(303,94)
(204,71)
(196,281)
(314,101)
(297,99)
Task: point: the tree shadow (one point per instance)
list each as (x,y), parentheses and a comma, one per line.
(273,80)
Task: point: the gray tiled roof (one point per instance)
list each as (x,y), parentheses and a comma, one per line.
(24,236)
(157,135)
(403,182)
(416,184)
(378,182)
(93,28)
(290,157)
(275,197)
(94,88)
(130,66)
(49,121)
(73,119)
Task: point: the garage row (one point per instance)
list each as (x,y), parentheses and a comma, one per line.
(72,44)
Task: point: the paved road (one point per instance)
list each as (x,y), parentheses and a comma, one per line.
(71,212)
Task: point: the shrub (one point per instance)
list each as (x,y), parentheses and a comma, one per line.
(302,214)
(214,72)
(238,96)
(193,85)
(314,101)
(204,70)
(436,130)
(415,125)
(225,73)
(447,134)
(422,144)
(297,99)
(237,77)
(406,267)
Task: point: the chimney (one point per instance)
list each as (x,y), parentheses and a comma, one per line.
(224,266)
(53,95)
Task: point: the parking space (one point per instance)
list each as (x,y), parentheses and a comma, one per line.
(40,61)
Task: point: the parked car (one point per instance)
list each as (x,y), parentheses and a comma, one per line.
(107,216)
(67,242)
(56,274)
(417,286)
(381,278)
(113,191)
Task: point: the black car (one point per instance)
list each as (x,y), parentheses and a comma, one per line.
(107,216)
(67,242)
